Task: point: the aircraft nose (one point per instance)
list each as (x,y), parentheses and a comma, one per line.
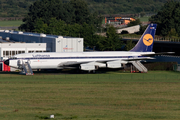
(6,62)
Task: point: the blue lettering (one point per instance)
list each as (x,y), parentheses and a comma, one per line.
(40,56)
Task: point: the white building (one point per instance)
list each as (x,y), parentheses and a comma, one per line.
(53,43)
(9,49)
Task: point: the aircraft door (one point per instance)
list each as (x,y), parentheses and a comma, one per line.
(29,61)
(19,63)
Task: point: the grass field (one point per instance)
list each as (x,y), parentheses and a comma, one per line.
(19,22)
(111,96)
(144,19)
(10,23)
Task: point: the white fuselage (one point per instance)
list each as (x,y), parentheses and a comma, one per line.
(50,60)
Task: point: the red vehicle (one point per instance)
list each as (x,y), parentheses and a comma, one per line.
(4,67)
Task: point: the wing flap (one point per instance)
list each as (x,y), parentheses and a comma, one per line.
(161,53)
(71,63)
(74,63)
(139,58)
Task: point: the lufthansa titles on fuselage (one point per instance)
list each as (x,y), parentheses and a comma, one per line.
(40,56)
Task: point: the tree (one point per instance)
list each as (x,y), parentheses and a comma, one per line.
(44,9)
(74,30)
(142,29)
(112,41)
(67,19)
(56,27)
(81,11)
(133,23)
(87,32)
(40,26)
(129,45)
(73,12)
(168,18)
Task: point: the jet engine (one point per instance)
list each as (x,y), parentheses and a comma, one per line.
(87,67)
(114,64)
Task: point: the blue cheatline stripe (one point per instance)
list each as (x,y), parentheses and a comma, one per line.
(90,57)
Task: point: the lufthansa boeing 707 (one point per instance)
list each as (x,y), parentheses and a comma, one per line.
(89,61)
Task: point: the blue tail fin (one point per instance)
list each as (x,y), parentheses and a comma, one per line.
(145,43)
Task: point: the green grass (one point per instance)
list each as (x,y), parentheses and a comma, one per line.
(144,19)
(111,96)
(10,23)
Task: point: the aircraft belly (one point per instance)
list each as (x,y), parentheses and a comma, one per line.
(44,64)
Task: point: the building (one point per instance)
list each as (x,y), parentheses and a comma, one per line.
(15,42)
(53,43)
(130,30)
(118,20)
(9,49)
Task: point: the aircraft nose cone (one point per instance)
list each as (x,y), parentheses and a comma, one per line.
(6,62)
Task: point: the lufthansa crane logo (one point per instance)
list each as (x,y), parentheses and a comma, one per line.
(148,39)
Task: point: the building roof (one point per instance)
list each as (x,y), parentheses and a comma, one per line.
(3,41)
(120,15)
(34,34)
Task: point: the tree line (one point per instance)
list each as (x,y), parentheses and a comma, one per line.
(75,11)
(73,19)
(14,8)
(168,19)
(19,8)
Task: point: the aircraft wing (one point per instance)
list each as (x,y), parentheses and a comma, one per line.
(69,63)
(161,53)
(139,58)
(75,63)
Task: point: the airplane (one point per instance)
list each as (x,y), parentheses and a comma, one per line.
(89,61)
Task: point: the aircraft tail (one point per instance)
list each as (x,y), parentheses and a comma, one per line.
(145,43)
